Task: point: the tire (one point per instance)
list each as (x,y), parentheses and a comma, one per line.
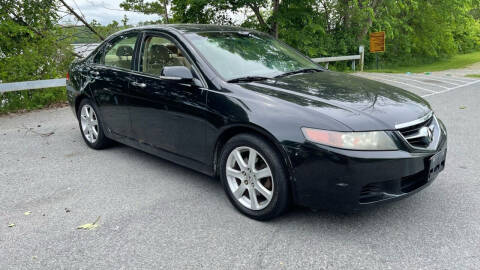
(91,127)
(270,190)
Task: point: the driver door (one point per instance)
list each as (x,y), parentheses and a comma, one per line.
(167,114)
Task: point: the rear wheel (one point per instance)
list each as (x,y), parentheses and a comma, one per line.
(91,126)
(254,177)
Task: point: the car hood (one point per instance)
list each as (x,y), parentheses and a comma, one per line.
(360,104)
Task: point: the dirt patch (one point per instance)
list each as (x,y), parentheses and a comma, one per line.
(20,112)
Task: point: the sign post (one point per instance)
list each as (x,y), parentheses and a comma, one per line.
(377,43)
(361,50)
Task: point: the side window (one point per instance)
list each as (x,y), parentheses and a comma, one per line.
(159,52)
(119,53)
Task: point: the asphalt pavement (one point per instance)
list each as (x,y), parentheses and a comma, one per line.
(158,215)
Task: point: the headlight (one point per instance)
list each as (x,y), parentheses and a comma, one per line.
(371,140)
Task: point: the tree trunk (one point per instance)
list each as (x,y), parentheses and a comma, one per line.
(276,4)
(256,10)
(165,8)
(82,20)
(374,5)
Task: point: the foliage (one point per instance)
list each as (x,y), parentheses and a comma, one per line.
(81,34)
(418,31)
(31,48)
(148,7)
(220,12)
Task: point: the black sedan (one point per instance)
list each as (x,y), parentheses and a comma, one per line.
(275,127)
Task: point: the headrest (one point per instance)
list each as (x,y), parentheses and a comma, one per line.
(159,51)
(172,48)
(124,51)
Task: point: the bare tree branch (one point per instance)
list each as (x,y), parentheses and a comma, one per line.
(256,9)
(82,20)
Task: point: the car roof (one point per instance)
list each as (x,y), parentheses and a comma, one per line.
(191,28)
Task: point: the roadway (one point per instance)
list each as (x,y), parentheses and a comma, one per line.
(155,214)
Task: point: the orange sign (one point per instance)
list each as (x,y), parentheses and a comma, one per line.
(377,42)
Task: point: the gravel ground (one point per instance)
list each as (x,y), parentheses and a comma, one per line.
(157,215)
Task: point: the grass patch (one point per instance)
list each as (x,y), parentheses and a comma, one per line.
(457,61)
(473,75)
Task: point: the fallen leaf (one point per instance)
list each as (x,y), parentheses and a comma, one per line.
(462,107)
(89,226)
(34,257)
(27,213)
(11,225)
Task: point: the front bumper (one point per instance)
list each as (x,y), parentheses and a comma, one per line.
(345,180)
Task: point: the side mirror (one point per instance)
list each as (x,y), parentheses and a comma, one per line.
(181,73)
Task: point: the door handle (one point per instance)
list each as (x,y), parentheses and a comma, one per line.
(94,73)
(141,85)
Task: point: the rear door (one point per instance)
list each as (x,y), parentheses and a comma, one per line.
(110,77)
(165,113)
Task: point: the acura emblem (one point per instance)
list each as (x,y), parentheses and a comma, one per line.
(427,133)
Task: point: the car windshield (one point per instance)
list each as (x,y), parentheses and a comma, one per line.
(244,54)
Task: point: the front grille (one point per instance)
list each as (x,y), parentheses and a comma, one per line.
(413,135)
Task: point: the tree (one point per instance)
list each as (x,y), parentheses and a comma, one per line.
(125,20)
(32,47)
(159,7)
(202,11)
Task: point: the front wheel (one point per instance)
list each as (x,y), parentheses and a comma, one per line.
(254,177)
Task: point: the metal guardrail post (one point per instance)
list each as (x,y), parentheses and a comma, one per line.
(361,50)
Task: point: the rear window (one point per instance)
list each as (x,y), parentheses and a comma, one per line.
(118,53)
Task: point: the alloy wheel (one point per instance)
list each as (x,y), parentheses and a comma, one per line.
(89,123)
(249,178)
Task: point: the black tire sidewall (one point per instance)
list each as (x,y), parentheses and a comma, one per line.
(280,199)
(101,141)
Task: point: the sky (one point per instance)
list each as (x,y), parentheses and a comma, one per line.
(105,12)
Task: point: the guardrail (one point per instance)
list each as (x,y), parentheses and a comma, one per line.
(352,58)
(29,85)
(327,60)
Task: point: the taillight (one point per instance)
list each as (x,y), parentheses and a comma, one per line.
(68,76)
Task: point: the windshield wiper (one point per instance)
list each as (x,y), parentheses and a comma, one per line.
(303,70)
(248,79)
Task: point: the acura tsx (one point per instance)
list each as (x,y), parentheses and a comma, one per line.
(275,127)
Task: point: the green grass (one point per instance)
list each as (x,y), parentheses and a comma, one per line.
(474,75)
(31,99)
(457,61)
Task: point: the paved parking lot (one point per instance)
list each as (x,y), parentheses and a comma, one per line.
(424,85)
(157,215)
